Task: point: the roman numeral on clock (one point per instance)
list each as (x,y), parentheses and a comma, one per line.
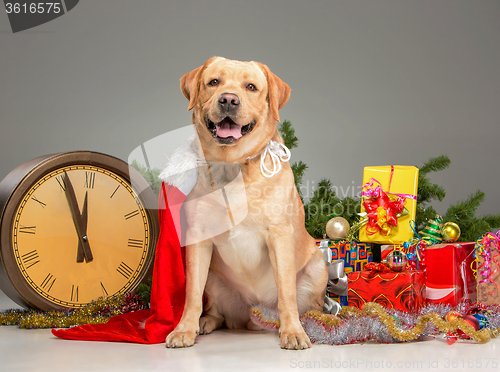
(135,243)
(48,282)
(30,259)
(114,192)
(131,214)
(104,292)
(89,180)
(125,270)
(74,293)
(60,181)
(27,229)
(38,201)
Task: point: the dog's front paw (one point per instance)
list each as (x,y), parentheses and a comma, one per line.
(294,340)
(208,324)
(181,339)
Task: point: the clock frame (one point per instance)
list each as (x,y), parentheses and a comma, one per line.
(100,243)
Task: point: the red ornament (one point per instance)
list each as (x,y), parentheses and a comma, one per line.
(472,321)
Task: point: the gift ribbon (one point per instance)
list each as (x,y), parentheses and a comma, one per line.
(381,210)
(483,248)
(337,279)
(330,306)
(417,258)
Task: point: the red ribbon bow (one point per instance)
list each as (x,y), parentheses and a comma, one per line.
(382,210)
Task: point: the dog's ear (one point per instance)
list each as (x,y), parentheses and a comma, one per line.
(190,83)
(279,91)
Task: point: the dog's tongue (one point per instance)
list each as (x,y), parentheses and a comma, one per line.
(227,128)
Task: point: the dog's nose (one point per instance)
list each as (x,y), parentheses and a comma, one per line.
(228,101)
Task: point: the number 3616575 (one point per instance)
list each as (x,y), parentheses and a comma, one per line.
(33,8)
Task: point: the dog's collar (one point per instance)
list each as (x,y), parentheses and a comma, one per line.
(278,152)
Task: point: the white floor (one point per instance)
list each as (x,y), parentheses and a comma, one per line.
(37,350)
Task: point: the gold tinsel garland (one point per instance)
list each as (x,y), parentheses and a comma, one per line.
(445,326)
(96,312)
(376,311)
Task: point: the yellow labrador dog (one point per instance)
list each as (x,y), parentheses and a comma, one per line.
(268,258)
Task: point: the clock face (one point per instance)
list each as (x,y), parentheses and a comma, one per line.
(68,267)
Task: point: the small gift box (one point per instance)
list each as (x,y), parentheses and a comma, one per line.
(354,254)
(450,273)
(404,290)
(389,200)
(488,269)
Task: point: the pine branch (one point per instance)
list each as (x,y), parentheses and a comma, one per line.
(288,134)
(473,229)
(298,170)
(464,215)
(464,211)
(435,164)
(423,215)
(492,219)
(428,191)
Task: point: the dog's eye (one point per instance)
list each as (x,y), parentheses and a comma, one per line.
(213,83)
(252,87)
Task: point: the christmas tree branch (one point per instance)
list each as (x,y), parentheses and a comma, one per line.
(435,164)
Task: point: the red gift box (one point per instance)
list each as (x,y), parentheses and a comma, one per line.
(403,290)
(450,277)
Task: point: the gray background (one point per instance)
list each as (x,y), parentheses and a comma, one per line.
(373,82)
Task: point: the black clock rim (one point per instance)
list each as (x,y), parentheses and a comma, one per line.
(17,183)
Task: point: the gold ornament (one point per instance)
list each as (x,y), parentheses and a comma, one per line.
(337,228)
(450,232)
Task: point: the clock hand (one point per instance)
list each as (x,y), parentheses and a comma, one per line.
(77,218)
(80,255)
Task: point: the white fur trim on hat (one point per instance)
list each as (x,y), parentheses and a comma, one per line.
(182,167)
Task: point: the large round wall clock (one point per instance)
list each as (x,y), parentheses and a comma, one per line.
(74,228)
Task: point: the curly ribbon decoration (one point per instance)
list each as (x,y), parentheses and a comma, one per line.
(337,279)
(417,251)
(483,248)
(383,208)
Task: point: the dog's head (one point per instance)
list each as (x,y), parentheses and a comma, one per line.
(235,107)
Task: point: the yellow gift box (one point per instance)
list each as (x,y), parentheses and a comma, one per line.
(400,183)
